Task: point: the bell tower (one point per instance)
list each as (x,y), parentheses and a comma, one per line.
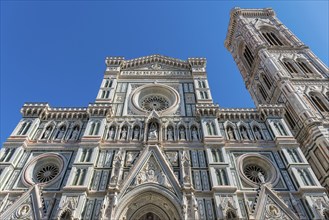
(278,68)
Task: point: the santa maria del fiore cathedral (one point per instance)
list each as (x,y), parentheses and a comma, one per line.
(154,145)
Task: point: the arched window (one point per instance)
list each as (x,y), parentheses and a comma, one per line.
(248,56)
(213,128)
(92,128)
(303,66)
(272,38)
(319,103)
(106,83)
(24,128)
(98,124)
(290,66)
(266,81)
(209,129)
(221,177)
(262,92)
(103,94)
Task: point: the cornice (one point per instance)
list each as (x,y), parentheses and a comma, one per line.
(157,58)
(236,12)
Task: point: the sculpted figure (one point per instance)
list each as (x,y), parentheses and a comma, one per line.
(194,134)
(170,134)
(60,133)
(46,133)
(153,131)
(124,133)
(111,133)
(261,177)
(182,133)
(230,133)
(244,133)
(75,133)
(257,133)
(136,133)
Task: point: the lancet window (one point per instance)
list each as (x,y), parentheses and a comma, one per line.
(86,155)
(6,156)
(217,155)
(79,177)
(305,176)
(319,103)
(24,128)
(266,81)
(221,177)
(294,155)
(94,128)
(248,56)
(272,38)
(262,92)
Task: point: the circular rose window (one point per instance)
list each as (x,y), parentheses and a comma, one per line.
(154,102)
(254,172)
(47,173)
(255,169)
(158,97)
(43,169)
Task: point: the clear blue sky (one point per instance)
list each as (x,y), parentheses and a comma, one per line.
(54,51)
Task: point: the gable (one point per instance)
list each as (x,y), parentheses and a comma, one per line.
(27,206)
(151,168)
(271,206)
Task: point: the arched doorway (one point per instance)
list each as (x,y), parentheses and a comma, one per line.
(148,203)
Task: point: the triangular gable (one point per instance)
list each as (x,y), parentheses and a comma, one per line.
(271,206)
(28,206)
(155,63)
(151,168)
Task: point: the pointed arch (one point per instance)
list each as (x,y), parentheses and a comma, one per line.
(319,101)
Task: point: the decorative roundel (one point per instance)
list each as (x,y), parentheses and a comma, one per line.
(43,169)
(158,97)
(256,168)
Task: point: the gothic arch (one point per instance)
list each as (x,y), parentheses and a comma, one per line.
(254,124)
(50,124)
(272,35)
(241,124)
(233,126)
(319,101)
(160,200)
(24,127)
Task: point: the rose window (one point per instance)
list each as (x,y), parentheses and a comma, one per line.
(47,173)
(43,169)
(254,173)
(255,169)
(154,102)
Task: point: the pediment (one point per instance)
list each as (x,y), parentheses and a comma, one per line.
(151,168)
(27,206)
(271,206)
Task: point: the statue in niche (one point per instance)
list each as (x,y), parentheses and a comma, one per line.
(244,133)
(170,134)
(257,133)
(186,166)
(230,133)
(136,133)
(124,133)
(111,133)
(117,165)
(182,133)
(153,131)
(75,133)
(47,132)
(194,134)
(60,133)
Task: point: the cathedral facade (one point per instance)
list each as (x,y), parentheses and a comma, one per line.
(155,146)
